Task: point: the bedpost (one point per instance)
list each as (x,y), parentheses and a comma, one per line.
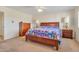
(25,37)
(56,42)
(57,45)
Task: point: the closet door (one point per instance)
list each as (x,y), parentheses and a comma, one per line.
(23,28)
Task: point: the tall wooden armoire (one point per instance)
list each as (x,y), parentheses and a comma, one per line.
(23,28)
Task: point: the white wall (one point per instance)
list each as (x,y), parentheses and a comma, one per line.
(11,21)
(54,17)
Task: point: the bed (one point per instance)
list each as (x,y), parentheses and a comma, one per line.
(48,33)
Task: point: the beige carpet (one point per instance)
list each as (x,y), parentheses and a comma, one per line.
(20,45)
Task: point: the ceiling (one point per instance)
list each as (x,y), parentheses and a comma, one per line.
(46,9)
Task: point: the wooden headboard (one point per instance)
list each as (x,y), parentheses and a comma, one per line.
(49,24)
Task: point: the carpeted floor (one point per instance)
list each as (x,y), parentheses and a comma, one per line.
(20,45)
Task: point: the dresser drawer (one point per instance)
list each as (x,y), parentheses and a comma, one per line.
(67,33)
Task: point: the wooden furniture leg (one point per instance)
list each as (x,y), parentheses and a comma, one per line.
(26,38)
(57,45)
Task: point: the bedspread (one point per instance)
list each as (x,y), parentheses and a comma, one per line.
(46,32)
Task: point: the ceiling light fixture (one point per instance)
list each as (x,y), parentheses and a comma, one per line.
(40,10)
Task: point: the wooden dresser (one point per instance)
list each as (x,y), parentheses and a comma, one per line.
(67,33)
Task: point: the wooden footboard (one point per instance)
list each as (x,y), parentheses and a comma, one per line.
(52,42)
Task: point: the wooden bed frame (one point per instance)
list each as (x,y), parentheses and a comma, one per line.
(52,42)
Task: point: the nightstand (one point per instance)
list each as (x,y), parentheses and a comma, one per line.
(67,33)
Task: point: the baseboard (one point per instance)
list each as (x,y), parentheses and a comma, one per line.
(12,38)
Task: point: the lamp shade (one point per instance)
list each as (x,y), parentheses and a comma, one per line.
(37,21)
